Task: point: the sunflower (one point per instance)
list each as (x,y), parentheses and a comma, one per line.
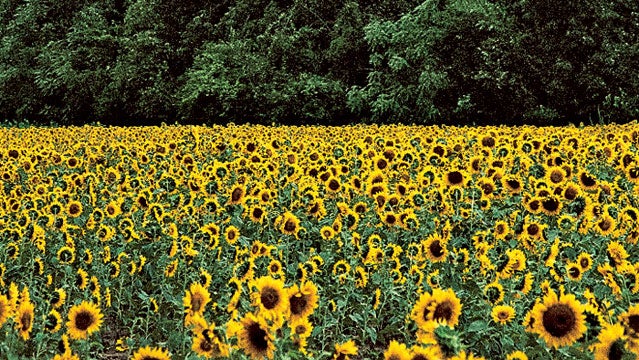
(551,205)
(196,299)
(425,353)
(13,250)
(333,184)
(270,296)
(327,232)
(5,309)
(66,255)
(586,181)
(435,248)
(445,307)
(255,337)
(610,343)
(585,261)
(503,314)
(84,319)
(343,350)
(512,184)
(171,268)
(517,355)
(237,195)
(454,179)
(605,225)
(559,320)
(494,292)
(53,321)
(151,353)
(209,346)
(66,355)
(361,277)
(74,208)
(377,298)
(24,317)
(289,224)
(555,175)
(396,351)
(574,271)
(302,300)
(205,342)
(616,253)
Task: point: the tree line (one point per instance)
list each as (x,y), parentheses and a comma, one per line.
(319,61)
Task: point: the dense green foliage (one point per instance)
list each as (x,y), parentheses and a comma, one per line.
(315,61)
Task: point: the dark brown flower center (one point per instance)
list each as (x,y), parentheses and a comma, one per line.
(559,319)
(269,297)
(289,225)
(236,195)
(333,185)
(74,209)
(196,302)
(633,323)
(257,337)
(532,229)
(436,248)
(556,176)
(83,320)
(455,178)
(584,262)
(550,204)
(571,193)
(443,311)
(25,321)
(587,180)
(298,304)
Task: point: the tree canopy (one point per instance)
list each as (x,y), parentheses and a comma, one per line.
(319,62)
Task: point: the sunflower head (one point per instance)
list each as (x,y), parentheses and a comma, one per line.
(559,320)
(84,319)
(151,353)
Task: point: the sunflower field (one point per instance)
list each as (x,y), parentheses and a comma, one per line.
(360,242)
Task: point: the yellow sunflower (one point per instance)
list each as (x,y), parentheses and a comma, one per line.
(151,353)
(84,319)
(426,353)
(67,355)
(270,297)
(559,320)
(255,337)
(611,341)
(5,309)
(503,314)
(517,355)
(343,350)
(196,298)
(396,351)
(303,300)
(24,318)
(289,224)
(435,248)
(53,321)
